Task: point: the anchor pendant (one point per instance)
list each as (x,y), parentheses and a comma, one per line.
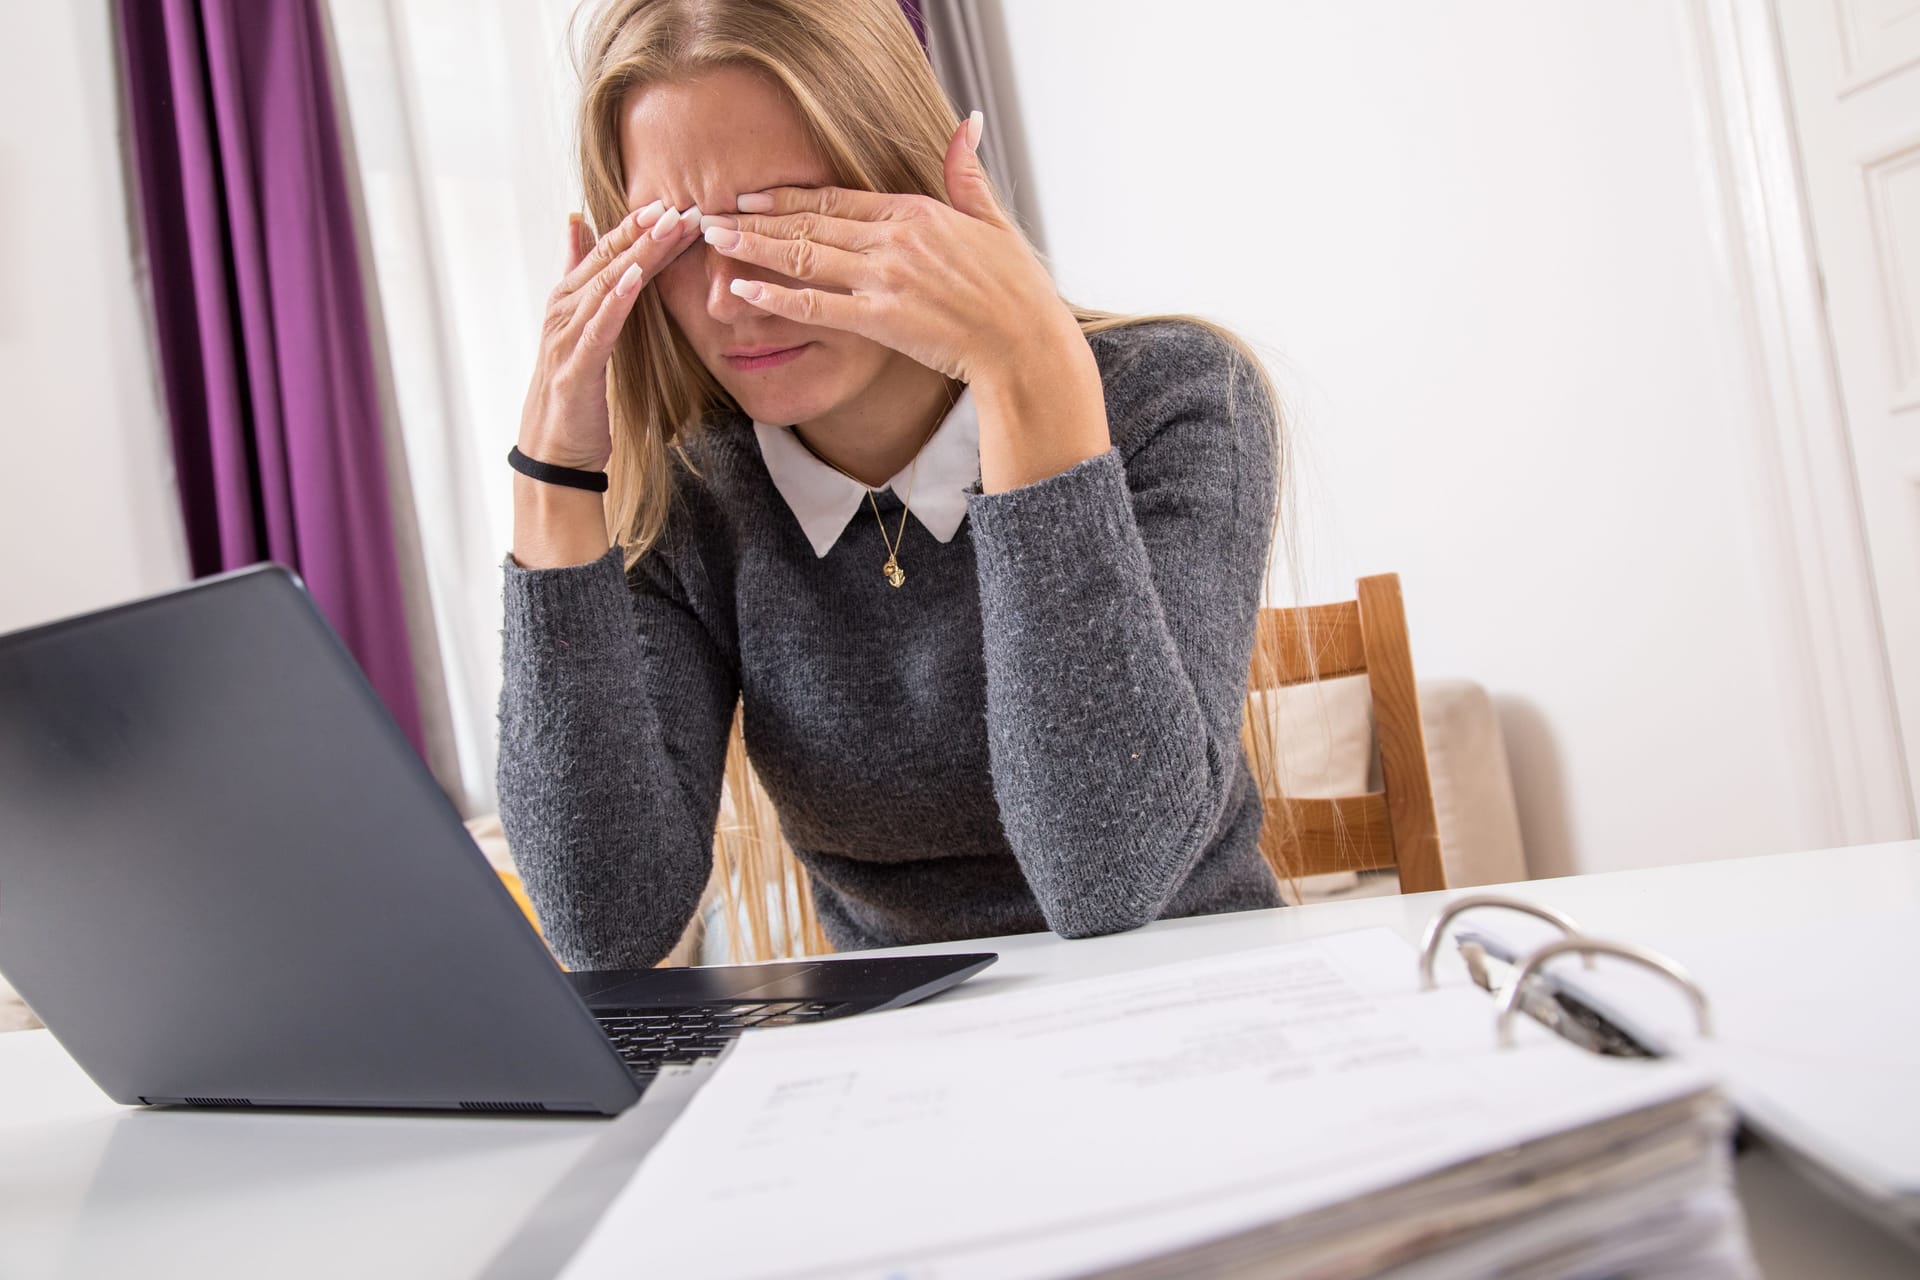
(895,574)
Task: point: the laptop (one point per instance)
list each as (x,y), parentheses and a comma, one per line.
(228,880)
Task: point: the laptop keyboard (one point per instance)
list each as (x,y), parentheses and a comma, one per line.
(648,1039)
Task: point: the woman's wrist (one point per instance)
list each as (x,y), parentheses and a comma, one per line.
(555,526)
(1042,416)
(557,455)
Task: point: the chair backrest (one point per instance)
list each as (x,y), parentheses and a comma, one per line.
(1394,827)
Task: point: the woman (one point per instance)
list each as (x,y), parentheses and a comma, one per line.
(981,566)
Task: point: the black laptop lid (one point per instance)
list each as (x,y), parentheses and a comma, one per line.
(225,874)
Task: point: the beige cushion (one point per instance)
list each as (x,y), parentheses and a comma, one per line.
(1324,733)
(14,1014)
(486,833)
(1472,784)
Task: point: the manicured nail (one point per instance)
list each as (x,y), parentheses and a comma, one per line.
(640,216)
(975,122)
(754,202)
(748,289)
(668,221)
(722,237)
(692,215)
(629,280)
(717,220)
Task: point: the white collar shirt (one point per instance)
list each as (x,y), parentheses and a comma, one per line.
(823,500)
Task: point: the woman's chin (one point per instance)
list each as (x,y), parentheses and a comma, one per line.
(783,405)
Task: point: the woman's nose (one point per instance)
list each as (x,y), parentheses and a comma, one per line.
(723,304)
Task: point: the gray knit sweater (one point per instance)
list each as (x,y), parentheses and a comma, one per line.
(1040,730)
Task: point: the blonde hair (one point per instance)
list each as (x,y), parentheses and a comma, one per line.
(862,85)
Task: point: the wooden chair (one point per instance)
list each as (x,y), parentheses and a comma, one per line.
(1394,828)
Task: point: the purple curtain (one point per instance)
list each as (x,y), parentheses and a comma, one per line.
(918,20)
(264,352)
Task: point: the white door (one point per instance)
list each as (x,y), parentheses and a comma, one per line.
(1853,68)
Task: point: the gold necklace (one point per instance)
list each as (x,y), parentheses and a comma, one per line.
(891,570)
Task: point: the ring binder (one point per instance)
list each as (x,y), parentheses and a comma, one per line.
(1589,947)
(1430,944)
(1827,1082)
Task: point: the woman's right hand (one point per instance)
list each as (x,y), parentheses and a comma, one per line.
(564,420)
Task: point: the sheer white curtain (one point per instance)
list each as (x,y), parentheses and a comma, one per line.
(460,121)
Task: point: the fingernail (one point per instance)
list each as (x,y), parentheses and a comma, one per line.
(754,202)
(722,237)
(975,122)
(692,214)
(668,221)
(748,289)
(717,220)
(628,279)
(640,216)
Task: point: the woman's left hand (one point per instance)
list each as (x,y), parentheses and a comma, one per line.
(954,287)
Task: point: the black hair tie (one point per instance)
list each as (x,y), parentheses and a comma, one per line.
(571,477)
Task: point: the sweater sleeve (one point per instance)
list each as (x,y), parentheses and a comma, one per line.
(1119,601)
(615,706)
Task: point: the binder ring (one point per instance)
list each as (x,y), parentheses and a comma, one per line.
(1430,944)
(1591,947)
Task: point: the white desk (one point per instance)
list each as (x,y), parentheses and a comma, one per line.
(88,1188)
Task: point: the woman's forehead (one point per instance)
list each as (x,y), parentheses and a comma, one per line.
(705,141)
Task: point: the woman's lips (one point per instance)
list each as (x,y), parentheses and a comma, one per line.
(770,361)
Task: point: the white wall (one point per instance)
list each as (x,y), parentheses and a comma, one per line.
(88,515)
(1479,241)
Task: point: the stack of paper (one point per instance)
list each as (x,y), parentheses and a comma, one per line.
(1299,1108)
